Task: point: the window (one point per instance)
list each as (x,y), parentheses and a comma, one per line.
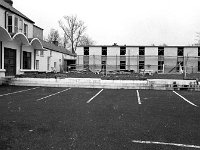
(48,63)
(198,51)
(104,51)
(160,51)
(141,51)
(141,64)
(26,60)
(198,66)
(42,53)
(37,52)
(37,64)
(180,51)
(16,24)
(54,65)
(123,50)
(179,64)
(9,25)
(25,29)
(86,50)
(20,25)
(103,65)
(122,64)
(160,65)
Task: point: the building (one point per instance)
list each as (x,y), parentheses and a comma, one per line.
(160,59)
(22,48)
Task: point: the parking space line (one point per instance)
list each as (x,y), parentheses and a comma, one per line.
(138,96)
(185,99)
(52,94)
(18,91)
(163,143)
(94,96)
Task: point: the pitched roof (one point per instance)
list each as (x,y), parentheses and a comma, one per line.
(53,47)
(13,10)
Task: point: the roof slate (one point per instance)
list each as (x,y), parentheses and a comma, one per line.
(13,10)
(53,47)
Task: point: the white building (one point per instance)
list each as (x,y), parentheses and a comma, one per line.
(22,48)
(161,59)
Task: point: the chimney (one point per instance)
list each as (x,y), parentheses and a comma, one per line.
(55,43)
(10,2)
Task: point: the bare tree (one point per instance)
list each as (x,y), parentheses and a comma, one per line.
(197,38)
(73,29)
(54,36)
(85,40)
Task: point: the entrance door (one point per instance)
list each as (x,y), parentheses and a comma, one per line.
(10,61)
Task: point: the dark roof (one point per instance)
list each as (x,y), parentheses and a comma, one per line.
(13,10)
(53,47)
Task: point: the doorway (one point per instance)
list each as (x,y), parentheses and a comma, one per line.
(10,61)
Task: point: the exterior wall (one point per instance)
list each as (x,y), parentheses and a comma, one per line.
(151,59)
(113,62)
(37,32)
(95,58)
(191,59)
(14,45)
(2,17)
(30,29)
(170,59)
(54,57)
(133,52)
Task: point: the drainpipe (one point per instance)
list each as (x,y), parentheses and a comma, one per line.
(34,58)
(21,56)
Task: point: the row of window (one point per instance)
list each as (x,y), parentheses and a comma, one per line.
(180,51)
(16,24)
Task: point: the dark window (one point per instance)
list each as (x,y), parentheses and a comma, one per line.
(198,51)
(122,64)
(103,65)
(141,51)
(123,50)
(198,66)
(180,51)
(141,64)
(180,64)
(37,64)
(160,65)
(104,51)
(86,50)
(25,29)
(160,51)
(26,60)
(10,24)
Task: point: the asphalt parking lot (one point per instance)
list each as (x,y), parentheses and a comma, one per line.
(43,118)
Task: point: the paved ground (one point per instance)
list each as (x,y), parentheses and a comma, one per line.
(41,118)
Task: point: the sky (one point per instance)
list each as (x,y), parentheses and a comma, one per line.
(130,22)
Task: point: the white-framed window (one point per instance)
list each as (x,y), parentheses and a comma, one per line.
(10,23)
(54,64)
(37,64)
(48,63)
(26,29)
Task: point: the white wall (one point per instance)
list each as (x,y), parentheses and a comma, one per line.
(2,17)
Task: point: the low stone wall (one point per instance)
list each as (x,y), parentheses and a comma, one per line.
(156,84)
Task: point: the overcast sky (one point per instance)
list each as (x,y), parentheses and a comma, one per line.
(130,22)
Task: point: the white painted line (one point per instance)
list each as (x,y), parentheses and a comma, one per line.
(185,99)
(138,96)
(163,143)
(94,96)
(18,91)
(52,94)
